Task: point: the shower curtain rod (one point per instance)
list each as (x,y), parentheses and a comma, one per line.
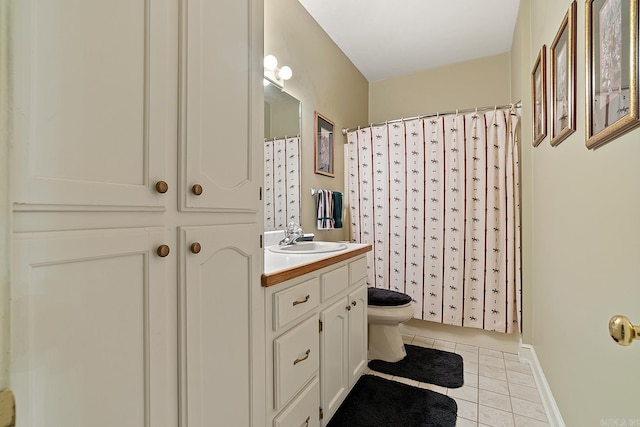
(281,137)
(466,110)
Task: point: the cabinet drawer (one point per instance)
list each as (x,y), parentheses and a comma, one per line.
(294,302)
(295,360)
(357,270)
(334,282)
(303,411)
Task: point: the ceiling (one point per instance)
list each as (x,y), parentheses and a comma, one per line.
(387,39)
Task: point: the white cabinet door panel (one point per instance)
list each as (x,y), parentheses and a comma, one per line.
(94,103)
(217,126)
(334,381)
(357,334)
(93,318)
(217,312)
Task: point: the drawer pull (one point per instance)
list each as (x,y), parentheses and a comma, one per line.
(295,362)
(306,422)
(303,301)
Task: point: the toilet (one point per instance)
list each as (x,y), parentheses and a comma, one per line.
(386,309)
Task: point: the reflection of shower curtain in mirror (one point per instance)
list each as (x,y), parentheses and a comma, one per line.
(438,199)
(281,183)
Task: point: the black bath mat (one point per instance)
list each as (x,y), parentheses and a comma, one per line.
(378,402)
(426,365)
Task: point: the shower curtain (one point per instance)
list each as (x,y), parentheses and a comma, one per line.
(438,199)
(281,182)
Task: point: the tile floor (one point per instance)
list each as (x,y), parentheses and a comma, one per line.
(498,391)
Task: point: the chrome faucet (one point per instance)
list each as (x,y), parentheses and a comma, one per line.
(294,234)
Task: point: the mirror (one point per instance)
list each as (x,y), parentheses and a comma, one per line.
(281,158)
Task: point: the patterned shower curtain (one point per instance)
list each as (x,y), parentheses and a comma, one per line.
(281,182)
(438,199)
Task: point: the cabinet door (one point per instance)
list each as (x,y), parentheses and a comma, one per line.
(334,376)
(95,101)
(221,105)
(93,318)
(220,317)
(357,334)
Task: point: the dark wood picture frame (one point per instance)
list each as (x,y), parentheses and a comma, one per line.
(324,147)
(611,69)
(539,96)
(563,78)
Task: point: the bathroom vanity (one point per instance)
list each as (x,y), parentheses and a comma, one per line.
(315,332)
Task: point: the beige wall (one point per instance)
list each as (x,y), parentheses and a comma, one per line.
(580,237)
(324,80)
(470,84)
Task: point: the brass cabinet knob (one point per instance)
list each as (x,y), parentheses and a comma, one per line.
(196,189)
(348,308)
(196,247)
(163,251)
(162,187)
(354,302)
(622,331)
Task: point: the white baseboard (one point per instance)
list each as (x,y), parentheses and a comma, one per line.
(528,353)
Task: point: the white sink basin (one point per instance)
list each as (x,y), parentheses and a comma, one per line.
(309,248)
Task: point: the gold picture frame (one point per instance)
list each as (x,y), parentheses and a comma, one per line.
(611,69)
(539,96)
(323,145)
(562,55)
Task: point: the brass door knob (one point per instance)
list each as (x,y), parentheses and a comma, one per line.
(196,247)
(196,189)
(163,251)
(354,302)
(348,308)
(162,187)
(622,331)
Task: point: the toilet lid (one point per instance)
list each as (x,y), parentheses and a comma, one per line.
(386,297)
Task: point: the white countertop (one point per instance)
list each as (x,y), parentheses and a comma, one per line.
(276,263)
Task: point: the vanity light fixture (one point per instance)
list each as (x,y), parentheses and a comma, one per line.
(273,74)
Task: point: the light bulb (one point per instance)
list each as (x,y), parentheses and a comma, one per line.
(285,73)
(270,62)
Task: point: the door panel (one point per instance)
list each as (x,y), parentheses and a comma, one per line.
(357,334)
(93,329)
(216,324)
(334,357)
(218,143)
(95,102)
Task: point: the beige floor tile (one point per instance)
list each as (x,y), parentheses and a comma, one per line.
(520,379)
(465,393)
(528,409)
(407,381)
(511,356)
(495,417)
(522,367)
(468,348)
(468,356)
(433,387)
(494,400)
(491,384)
(470,379)
(492,372)
(491,361)
(528,422)
(446,344)
(422,341)
(492,353)
(461,422)
(470,367)
(525,392)
(467,410)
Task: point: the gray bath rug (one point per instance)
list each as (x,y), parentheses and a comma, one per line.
(378,402)
(426,365)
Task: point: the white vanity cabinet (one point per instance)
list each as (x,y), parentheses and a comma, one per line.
(137,138)
(316,340)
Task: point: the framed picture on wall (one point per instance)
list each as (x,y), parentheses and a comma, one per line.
(612,69)
(324,146)
(539,96)
(563,78)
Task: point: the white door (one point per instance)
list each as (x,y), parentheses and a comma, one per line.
(217,324)
(217,135)
(357,334)
(93,326)
(334,363)
(94,103)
